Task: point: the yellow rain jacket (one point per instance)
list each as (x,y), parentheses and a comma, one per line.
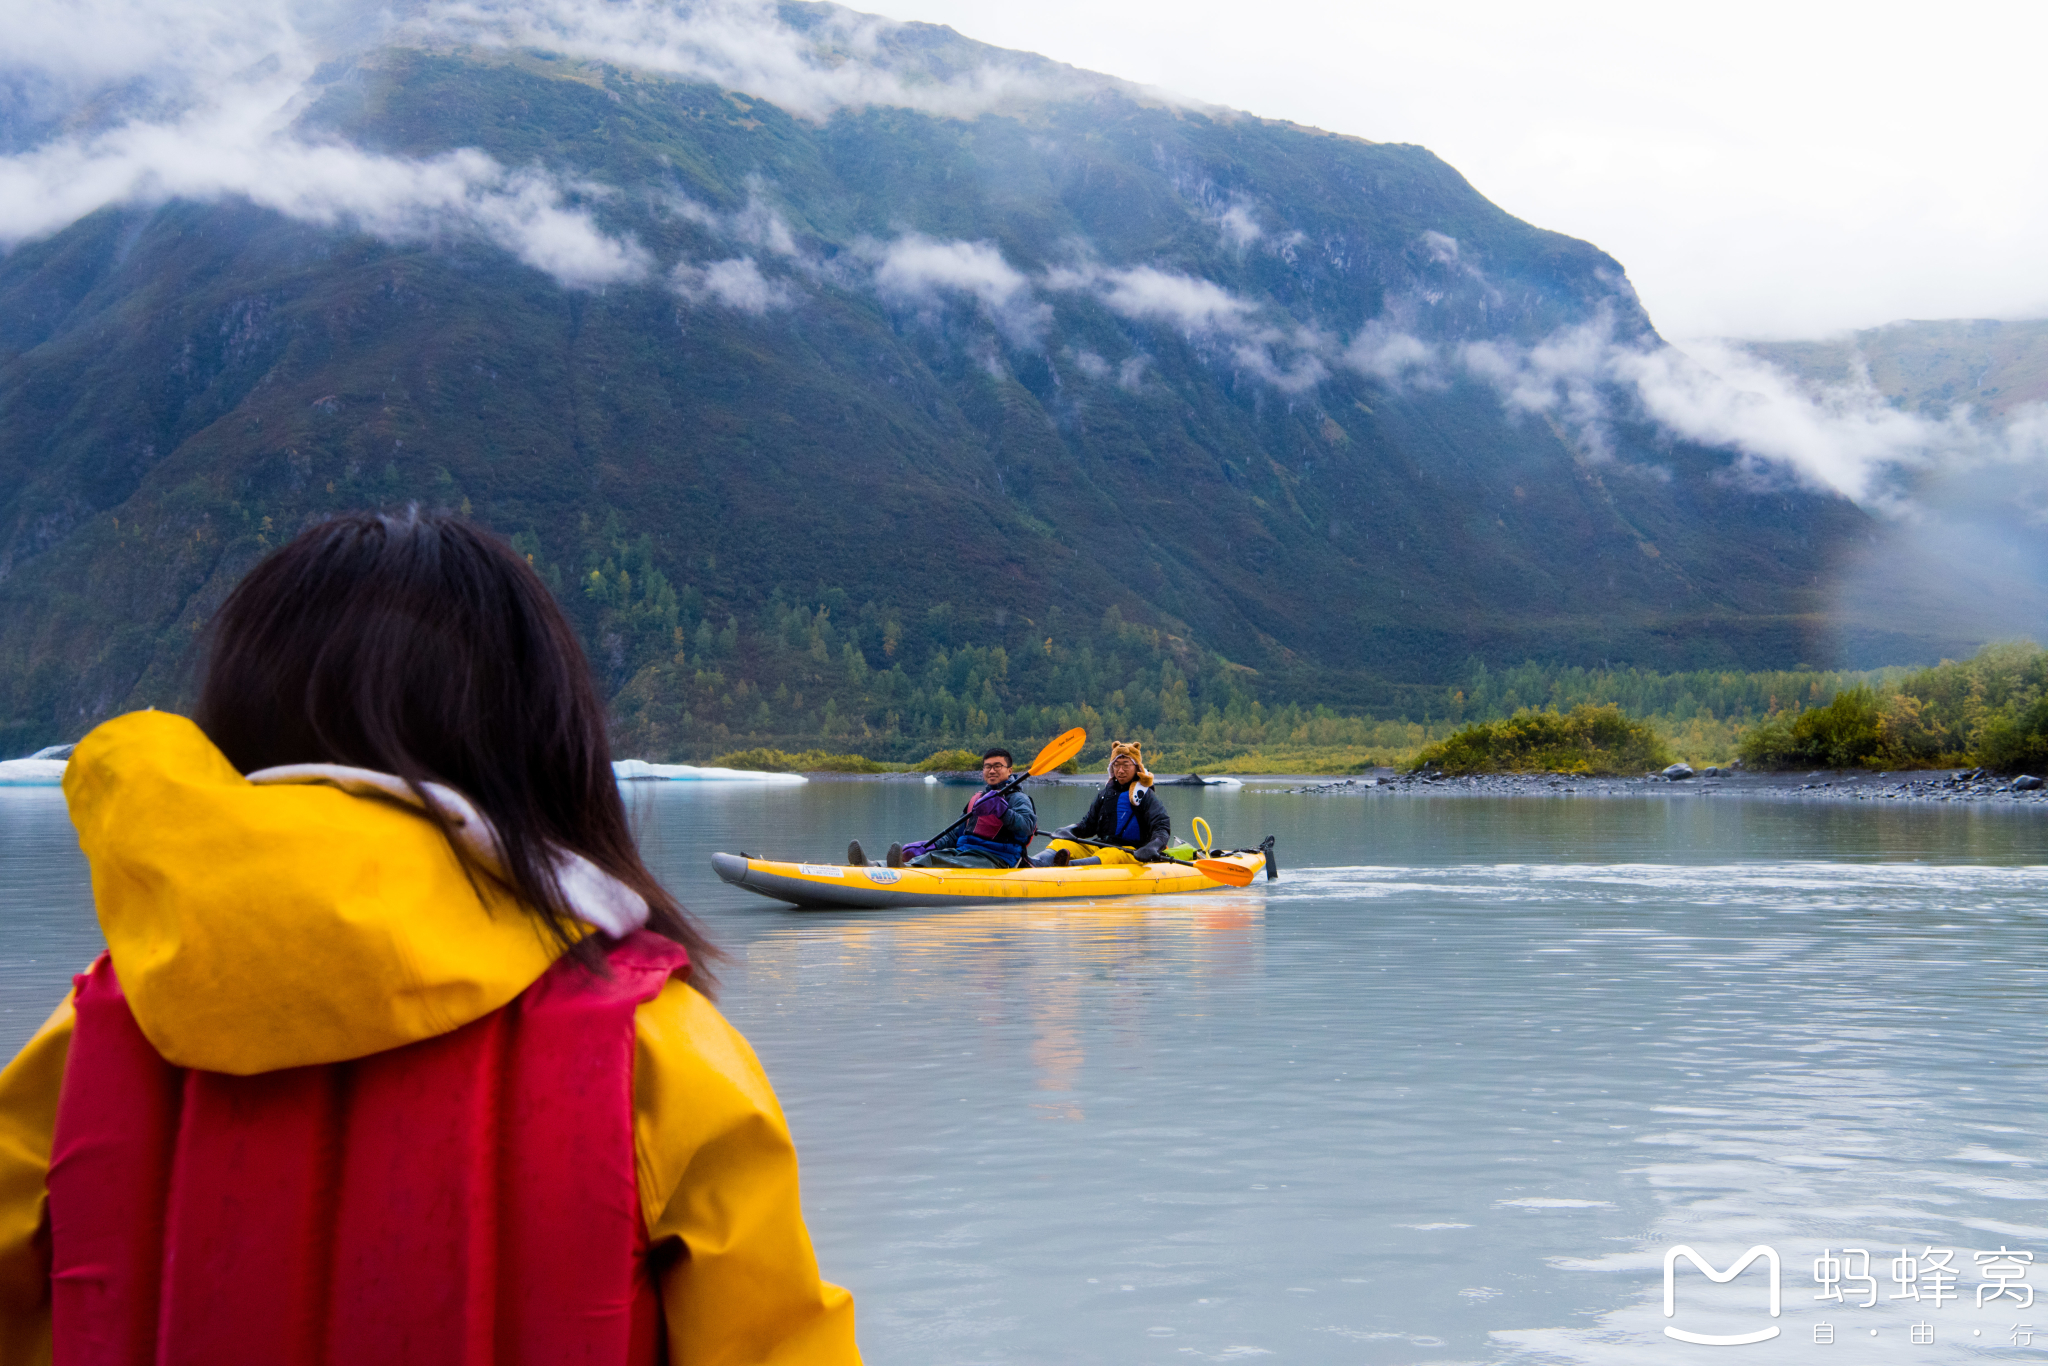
(257,928)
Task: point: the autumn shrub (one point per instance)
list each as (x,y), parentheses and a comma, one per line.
(1991,709)
(1587,739)
(2016,741)
(810,761)
(950,761)
(1846,733)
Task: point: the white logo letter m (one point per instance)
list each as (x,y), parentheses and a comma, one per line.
(1718,1278)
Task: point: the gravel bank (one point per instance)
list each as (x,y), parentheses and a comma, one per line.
(1927,787)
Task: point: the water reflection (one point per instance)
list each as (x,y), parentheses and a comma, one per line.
(1444,1093)
(1022,970)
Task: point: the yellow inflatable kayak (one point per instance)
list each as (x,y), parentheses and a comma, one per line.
(815,886)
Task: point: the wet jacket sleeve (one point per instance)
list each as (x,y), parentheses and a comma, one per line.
(1021,822)
(28,1118)
(718,1173)
(1157,827)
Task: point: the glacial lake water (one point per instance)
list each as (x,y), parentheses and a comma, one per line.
(1449,1091)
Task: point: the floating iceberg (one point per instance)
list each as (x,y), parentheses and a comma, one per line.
(31,772)
(640,771)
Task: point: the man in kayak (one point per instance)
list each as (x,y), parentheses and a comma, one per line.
(999,826)
(1126,815)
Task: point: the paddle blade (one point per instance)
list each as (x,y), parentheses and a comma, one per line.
(1062,748)
(1229,874)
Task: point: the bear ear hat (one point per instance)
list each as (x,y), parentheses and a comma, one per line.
(1136,751)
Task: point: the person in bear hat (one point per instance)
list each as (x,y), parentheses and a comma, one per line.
(1126,815)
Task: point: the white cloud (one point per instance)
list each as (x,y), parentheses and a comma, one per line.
(756,224)
(80,44)
(1185,302)
(1129,374)
(1061,279)
(690,211)
(1091,365)
(737,283)
(210,91)
(1383,353)
(1291,359)
(915,265)
(1238,226)
(1846,438)
(1562,374)
(195,99)
(760,225)
(233,149)
(1297,372)
(1441,248)
(846,60)
(919,269)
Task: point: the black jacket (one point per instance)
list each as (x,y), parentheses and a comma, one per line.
(1100,822)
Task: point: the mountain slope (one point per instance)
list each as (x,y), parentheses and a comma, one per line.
(1930,367)
(968,382)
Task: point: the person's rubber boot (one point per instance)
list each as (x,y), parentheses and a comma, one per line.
(895,858)
(1062,857)
(856,856)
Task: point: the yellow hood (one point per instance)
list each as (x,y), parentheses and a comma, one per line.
(255,928)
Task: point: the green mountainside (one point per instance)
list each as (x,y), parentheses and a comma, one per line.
(837,510)
(1928,366)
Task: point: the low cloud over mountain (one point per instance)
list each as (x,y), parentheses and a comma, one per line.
(117,102)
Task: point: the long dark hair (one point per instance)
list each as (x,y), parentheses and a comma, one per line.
(420,645)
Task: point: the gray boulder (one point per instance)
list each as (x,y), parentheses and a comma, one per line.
(2026,782)
(1678,773)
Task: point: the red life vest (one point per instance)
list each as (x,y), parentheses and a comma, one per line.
(464,1200)
(988,810)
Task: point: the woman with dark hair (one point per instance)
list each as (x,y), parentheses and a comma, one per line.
(399,1053)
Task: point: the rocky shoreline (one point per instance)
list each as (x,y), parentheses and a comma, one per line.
(1926,787)
(1939,786)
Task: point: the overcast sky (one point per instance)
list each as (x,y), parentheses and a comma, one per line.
(1780,169)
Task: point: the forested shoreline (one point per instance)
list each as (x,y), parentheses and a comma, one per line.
(1195,712)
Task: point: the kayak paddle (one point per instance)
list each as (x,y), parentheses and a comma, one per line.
(1057,752)
(1221,870)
